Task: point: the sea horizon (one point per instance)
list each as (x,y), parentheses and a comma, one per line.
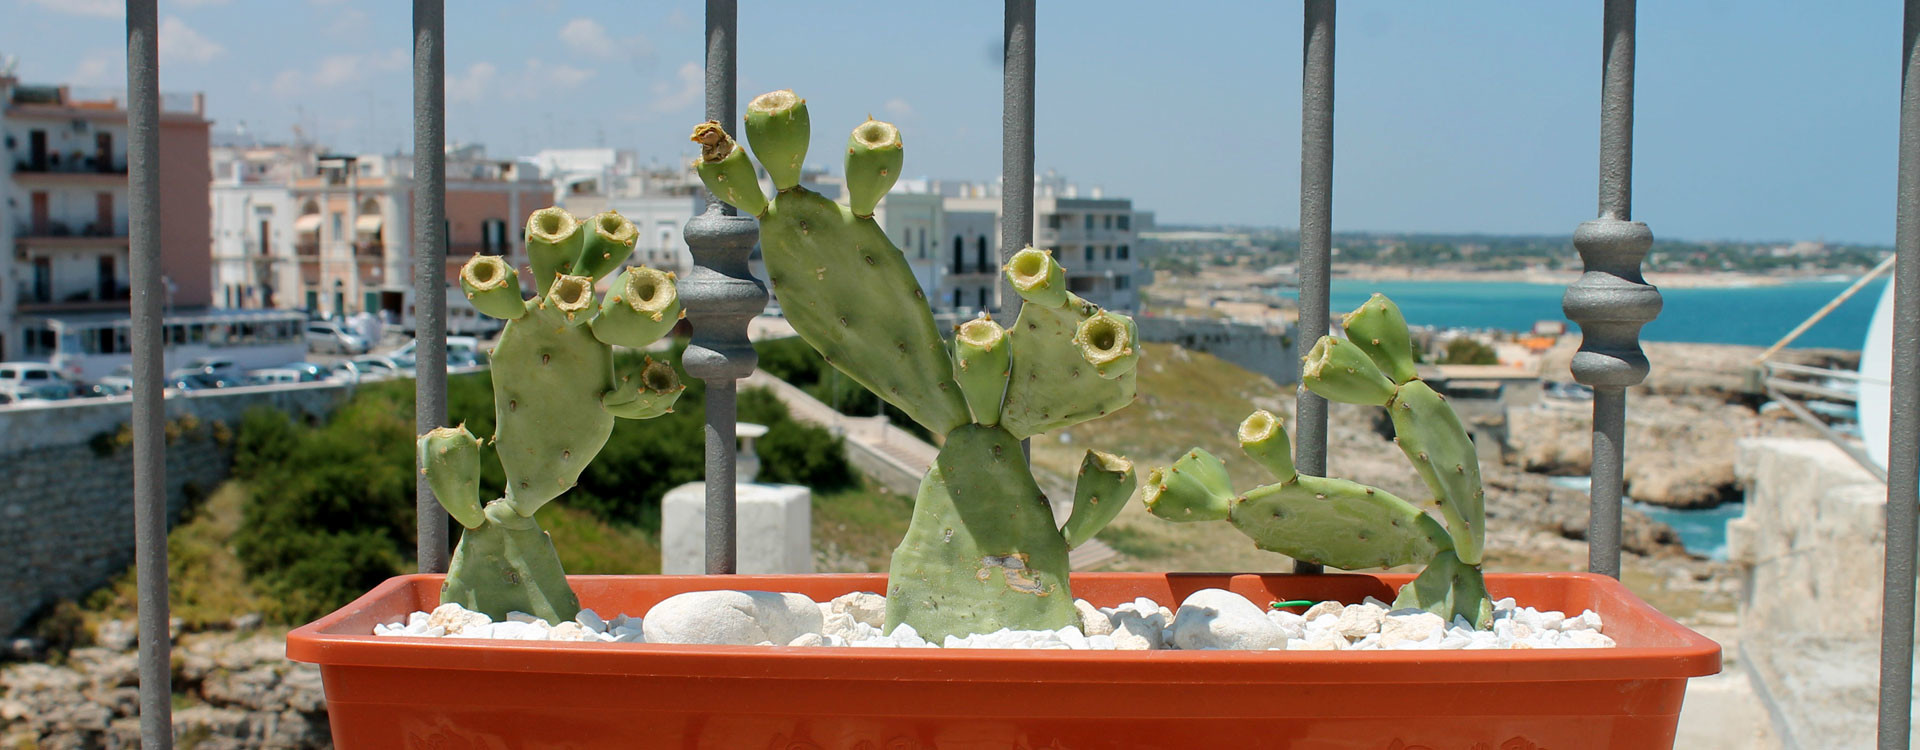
(1742,315)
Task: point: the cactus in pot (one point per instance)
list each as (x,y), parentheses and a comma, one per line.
(1345,524)
(557,390)
(983,551)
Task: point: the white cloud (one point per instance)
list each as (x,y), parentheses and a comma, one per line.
(587,37)
(540,75)
(179,43)
(472,85)
(94,8)
(101,67)
(338,70)
(897,107)
(688,87)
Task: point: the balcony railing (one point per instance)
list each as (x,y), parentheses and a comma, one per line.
(1611,303)
(61,229)
(53,164)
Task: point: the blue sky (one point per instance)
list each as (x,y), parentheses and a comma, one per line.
(1757,119)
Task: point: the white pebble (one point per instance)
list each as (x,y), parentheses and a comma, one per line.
(1360,621)
(1092,620)
(863,606)
(590,620)
(731,617)
(1221,619)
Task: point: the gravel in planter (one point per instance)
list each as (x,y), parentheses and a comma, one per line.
(1208,619)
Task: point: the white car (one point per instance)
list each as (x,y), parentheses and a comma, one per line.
(33,380)
(462,351)
(329,337)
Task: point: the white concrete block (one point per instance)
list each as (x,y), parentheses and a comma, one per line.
(774,526)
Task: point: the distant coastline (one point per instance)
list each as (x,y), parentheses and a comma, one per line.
(1563,277)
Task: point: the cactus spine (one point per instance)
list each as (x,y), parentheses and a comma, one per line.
(1346,524)
(983,551)
(556,393)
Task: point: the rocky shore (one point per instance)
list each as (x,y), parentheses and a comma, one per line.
(234,690)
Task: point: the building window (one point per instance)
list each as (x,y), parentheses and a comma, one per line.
(338,218)
(956,298)
(1122,282)
(1053,221)
(983,298)
(1124,221)
(1089,253)
(1079,283)
(493,236)
(980,254)
(1089,221)
(959,254)
(1106,253)
(1123,252)
(1106,222)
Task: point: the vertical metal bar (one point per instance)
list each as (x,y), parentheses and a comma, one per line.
(430,259)
(1611,300)
(1903,455)
(721,297)
(1316,228)
(149,366)
(1016,146)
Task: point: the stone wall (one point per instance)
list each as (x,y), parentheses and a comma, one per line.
(66,497)
(1812,542)
(1267,350)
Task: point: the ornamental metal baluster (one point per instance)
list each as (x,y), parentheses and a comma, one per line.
(429,263)
(721,296)
(149,366)
(1611,300)
(1903,453)
(1316,229)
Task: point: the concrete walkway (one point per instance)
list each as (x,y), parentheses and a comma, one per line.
(897,459)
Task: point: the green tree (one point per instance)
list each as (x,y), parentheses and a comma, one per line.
(1466,351)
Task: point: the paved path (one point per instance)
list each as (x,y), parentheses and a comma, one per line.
(910,452)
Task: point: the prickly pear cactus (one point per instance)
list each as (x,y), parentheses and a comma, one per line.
(556,393)
(983,551)
(1346,524)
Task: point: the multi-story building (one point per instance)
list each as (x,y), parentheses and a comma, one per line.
(950,233)
(296,227)
(63,190)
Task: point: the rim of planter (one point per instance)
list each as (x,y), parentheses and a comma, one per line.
(1650,645)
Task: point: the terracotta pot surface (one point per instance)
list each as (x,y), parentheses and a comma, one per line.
(387,692)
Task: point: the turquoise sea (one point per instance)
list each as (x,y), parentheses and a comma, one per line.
(1754,316)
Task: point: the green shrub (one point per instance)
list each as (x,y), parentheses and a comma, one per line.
(1466,351)
(793,453)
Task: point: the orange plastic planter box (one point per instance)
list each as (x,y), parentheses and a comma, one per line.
(385,692)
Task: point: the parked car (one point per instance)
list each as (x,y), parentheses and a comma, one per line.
(273,375)
(462,351)
(329,337)
(197,379)
(116,383)
(379,368)
(39,380)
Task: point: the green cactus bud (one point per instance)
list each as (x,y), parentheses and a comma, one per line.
(1433,438)
(1264,440)
(553,245)
(1338,523)
(1038,277)
(1339,371)
(725,170)
(980,367)
(645,395)
(493,287)
(642,306)
(1449,588)
(874,156)
(777,130)
(609,240)
(1107,341)
(572,298)
(1194,488)
(1106,482)
(450,459)
(508,564)
(982,551)
(1379,330)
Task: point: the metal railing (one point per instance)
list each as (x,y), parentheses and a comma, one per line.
(1611,301)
